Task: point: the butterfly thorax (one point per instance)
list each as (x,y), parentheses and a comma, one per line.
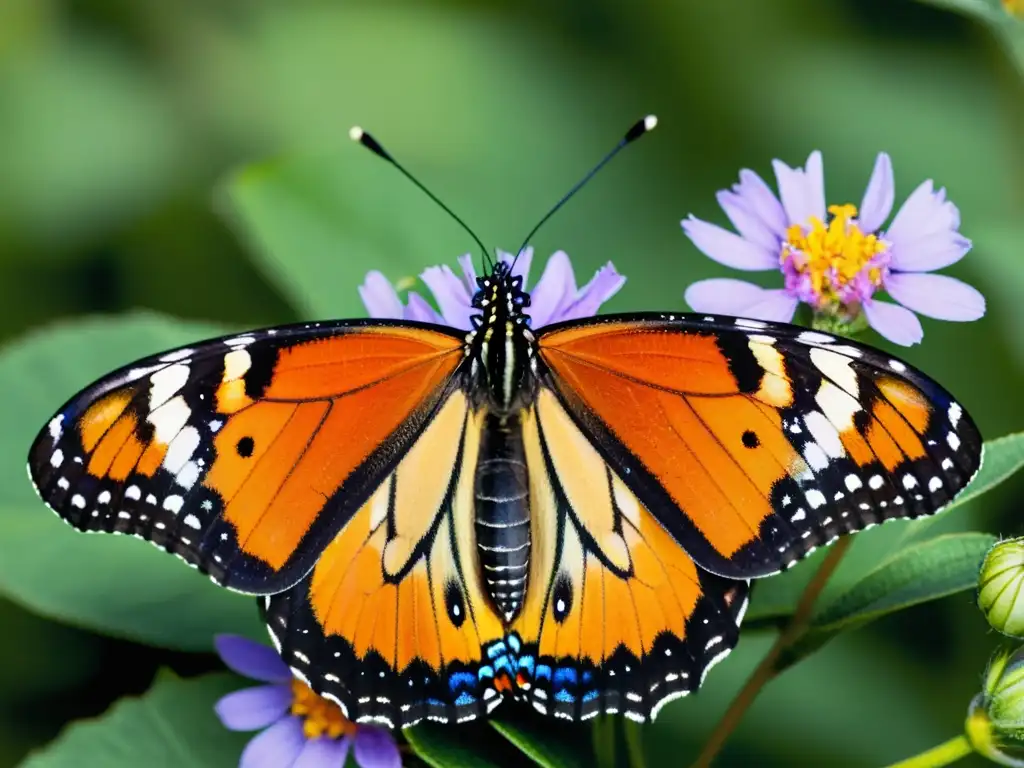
(501,346)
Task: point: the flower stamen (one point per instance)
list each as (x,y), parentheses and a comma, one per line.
(833,267)
(320,716)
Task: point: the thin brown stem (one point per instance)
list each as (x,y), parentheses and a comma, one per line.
(768,667)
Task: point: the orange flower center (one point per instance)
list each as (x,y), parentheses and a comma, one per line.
(320,716)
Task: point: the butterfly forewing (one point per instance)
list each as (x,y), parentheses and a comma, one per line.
(754,443)
(245,455)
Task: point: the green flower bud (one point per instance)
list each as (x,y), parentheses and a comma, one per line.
(995,719)
(1001,587)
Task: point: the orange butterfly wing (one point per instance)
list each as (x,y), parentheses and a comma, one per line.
(392,621)
(618,618)
(754,443)
(245,455)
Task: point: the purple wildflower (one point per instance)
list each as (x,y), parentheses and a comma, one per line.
(300,729)
(554,298)
(836,264)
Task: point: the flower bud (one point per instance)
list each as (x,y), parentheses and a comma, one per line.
(995,718)
(1001,587)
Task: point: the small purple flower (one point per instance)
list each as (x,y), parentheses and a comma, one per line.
(300,729)
(836,263)
(554,298)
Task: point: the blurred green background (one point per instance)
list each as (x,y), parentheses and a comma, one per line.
(123,124)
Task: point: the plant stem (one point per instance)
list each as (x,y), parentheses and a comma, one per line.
(768,667)
(944,754)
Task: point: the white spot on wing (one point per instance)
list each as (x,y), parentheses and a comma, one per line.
(825,434)
(173,504)
(748,323)
(166,383)
(813,337)
(57,458)
(953,440)
(169,418)
(236,364)
(55,426)
(192,522)
(853,483)
(837,368)
(955,412)
(815,498)
(815,457)
(181,449)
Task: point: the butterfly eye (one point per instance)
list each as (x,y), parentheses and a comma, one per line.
(454,603)
(750,439)
(562,598)
(245,447)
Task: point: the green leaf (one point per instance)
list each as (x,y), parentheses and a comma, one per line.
(172,724)
(113,584)
(443,746)
(774,599)
(925,571)
(1009,31)
(542,746)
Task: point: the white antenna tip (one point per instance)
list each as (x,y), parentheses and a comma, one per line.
(355,133)
(650,122)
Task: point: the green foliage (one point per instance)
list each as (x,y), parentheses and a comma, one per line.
(170,725)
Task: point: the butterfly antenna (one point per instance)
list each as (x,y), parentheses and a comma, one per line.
(358,134)
(638,129)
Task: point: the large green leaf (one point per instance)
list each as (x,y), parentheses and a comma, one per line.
(173,724)
(774,599)
(547,747)
(443,746)
(925,571)
(116,585)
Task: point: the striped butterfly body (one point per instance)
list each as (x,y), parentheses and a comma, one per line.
(437,521)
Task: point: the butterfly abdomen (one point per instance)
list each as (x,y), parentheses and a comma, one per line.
(503,513)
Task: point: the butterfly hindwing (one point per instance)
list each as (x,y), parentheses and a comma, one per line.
(754,443)
(245,455)
(392,621)
(618,619)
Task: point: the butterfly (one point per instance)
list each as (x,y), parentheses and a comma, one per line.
(438,520)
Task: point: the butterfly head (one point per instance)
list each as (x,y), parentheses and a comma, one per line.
(501,343)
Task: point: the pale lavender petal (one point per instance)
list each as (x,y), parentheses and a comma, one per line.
(802,190)
(252,659)
(938,296)
(379,296)
(522,264)
(419,309)
(747,221)
(924,213)
(725,296)
(762,200)
(468,272)
(728,248)
(898,324)
(450,294)
(277,747)
(879,195)
(605,284)
(323,752)
(376,748)
(934,251)
(555,289)
(253,708)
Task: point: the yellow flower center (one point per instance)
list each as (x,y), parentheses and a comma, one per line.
(833,266)
(320,716)
(1016,7)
